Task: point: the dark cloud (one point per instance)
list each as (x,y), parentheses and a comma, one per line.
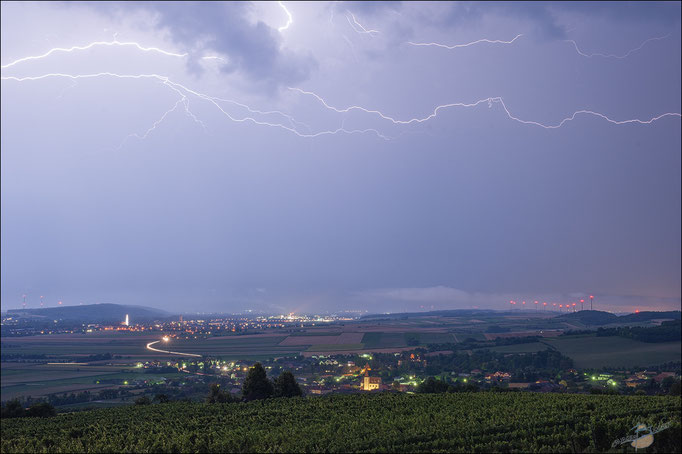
(253,50)
(545,15)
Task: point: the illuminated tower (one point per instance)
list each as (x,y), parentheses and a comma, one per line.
(127,321)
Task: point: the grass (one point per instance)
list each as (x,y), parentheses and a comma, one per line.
(521,348)
(334,347)
(589,351)
(387,340)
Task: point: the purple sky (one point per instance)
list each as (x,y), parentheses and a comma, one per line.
(331,156)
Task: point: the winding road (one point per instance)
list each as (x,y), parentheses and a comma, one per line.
(149,347)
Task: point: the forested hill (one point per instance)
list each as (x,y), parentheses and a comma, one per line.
(598,318)
(458,422)
(94,313)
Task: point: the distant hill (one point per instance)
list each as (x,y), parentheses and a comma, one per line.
(598,318)
(441,313)
(649,315)
(94,313)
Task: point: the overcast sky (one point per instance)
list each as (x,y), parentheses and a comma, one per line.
(294,157)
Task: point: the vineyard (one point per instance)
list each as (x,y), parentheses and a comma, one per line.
(461,422)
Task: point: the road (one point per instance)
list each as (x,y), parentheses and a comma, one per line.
(149,347)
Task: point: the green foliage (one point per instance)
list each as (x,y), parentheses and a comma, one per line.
(218,396)
(41,410)
(13,409)
(144,400)
(666,332)
(461,422)
(161,398)
(286,386)
(257,385)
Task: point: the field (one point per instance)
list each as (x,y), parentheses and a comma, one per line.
(596,352)
(33,379)
(403,339)
(521,348)
(460,422)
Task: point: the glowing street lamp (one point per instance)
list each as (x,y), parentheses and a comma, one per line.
(536,305)
(581,304)
(591,299)
(544,308)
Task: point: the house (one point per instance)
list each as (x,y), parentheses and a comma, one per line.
(663,375)
(499,376)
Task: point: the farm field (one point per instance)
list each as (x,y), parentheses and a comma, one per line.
(80,345)
(521,348)
(589,351)
(458,422)
(393,339)
(30,379)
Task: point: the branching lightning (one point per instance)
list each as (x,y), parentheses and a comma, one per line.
(290,18)
(179,88)
(577,49)
(489,101)
(457,46)
(289,123)
(357,26)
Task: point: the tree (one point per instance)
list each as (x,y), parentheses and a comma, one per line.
(161,398)
(41,410)
(431,385)
(144,400)
(13,409)
(217,396)
(257,385)
(286,386)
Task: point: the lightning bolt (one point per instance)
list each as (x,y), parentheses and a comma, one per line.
(357,26)
(215,101)
(181,101)
(290,19)
(457,46)
(489,101)
(90,46)
(577,49)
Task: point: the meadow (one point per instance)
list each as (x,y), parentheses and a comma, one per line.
(589,351)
